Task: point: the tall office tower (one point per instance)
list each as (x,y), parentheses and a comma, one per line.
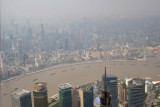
(110,40)
(65,95)
(112,86)
(16,26)
(42,30)
(97,47)
(86,96)
(105,98)
(0,56)
(122,94)
(40,94)
(21,98)
(75,98)
(30,33)
(11,37)
(28,40)
(158,53)
(136,92)
(1,65)
(66,44)
(26,43)
(20,49)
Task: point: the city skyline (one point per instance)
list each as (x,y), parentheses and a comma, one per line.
(53,53)
(68,95)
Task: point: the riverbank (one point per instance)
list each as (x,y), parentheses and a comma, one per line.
(80,73)
(63,65)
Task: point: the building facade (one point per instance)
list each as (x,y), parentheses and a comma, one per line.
(122,94)
(65,95)
(136,93)
(40,94)
(148,86)
(86,96)
(105,97)
(111,82)
(21,98)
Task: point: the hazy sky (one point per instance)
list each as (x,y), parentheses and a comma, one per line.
(82,8)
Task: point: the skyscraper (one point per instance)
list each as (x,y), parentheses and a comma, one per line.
(28,40)
(136,92)
(40,94)
(66,44)
(42,30)
(97,47)
(111,82)
(86,96)
(122,94)
(105,98)
(20,49)
(1,65)
(158,53)
(65,95)
(21,98)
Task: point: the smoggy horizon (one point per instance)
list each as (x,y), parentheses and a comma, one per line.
(40,9)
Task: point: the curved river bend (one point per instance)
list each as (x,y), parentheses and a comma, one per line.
(77,74)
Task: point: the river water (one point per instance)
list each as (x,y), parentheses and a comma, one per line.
(77,74)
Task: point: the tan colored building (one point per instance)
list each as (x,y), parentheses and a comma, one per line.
(81,97)
(122,94)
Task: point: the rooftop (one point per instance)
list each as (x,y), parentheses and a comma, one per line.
(20,93)
(110,76)
(64,86)
(136,82)
(42,83)
(40,86)
(88,88)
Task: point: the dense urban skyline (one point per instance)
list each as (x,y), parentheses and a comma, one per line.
(53,53)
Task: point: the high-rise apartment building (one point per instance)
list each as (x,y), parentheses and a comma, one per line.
(21,98)
(40,94)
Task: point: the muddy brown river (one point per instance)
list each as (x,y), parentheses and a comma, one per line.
(77,74)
